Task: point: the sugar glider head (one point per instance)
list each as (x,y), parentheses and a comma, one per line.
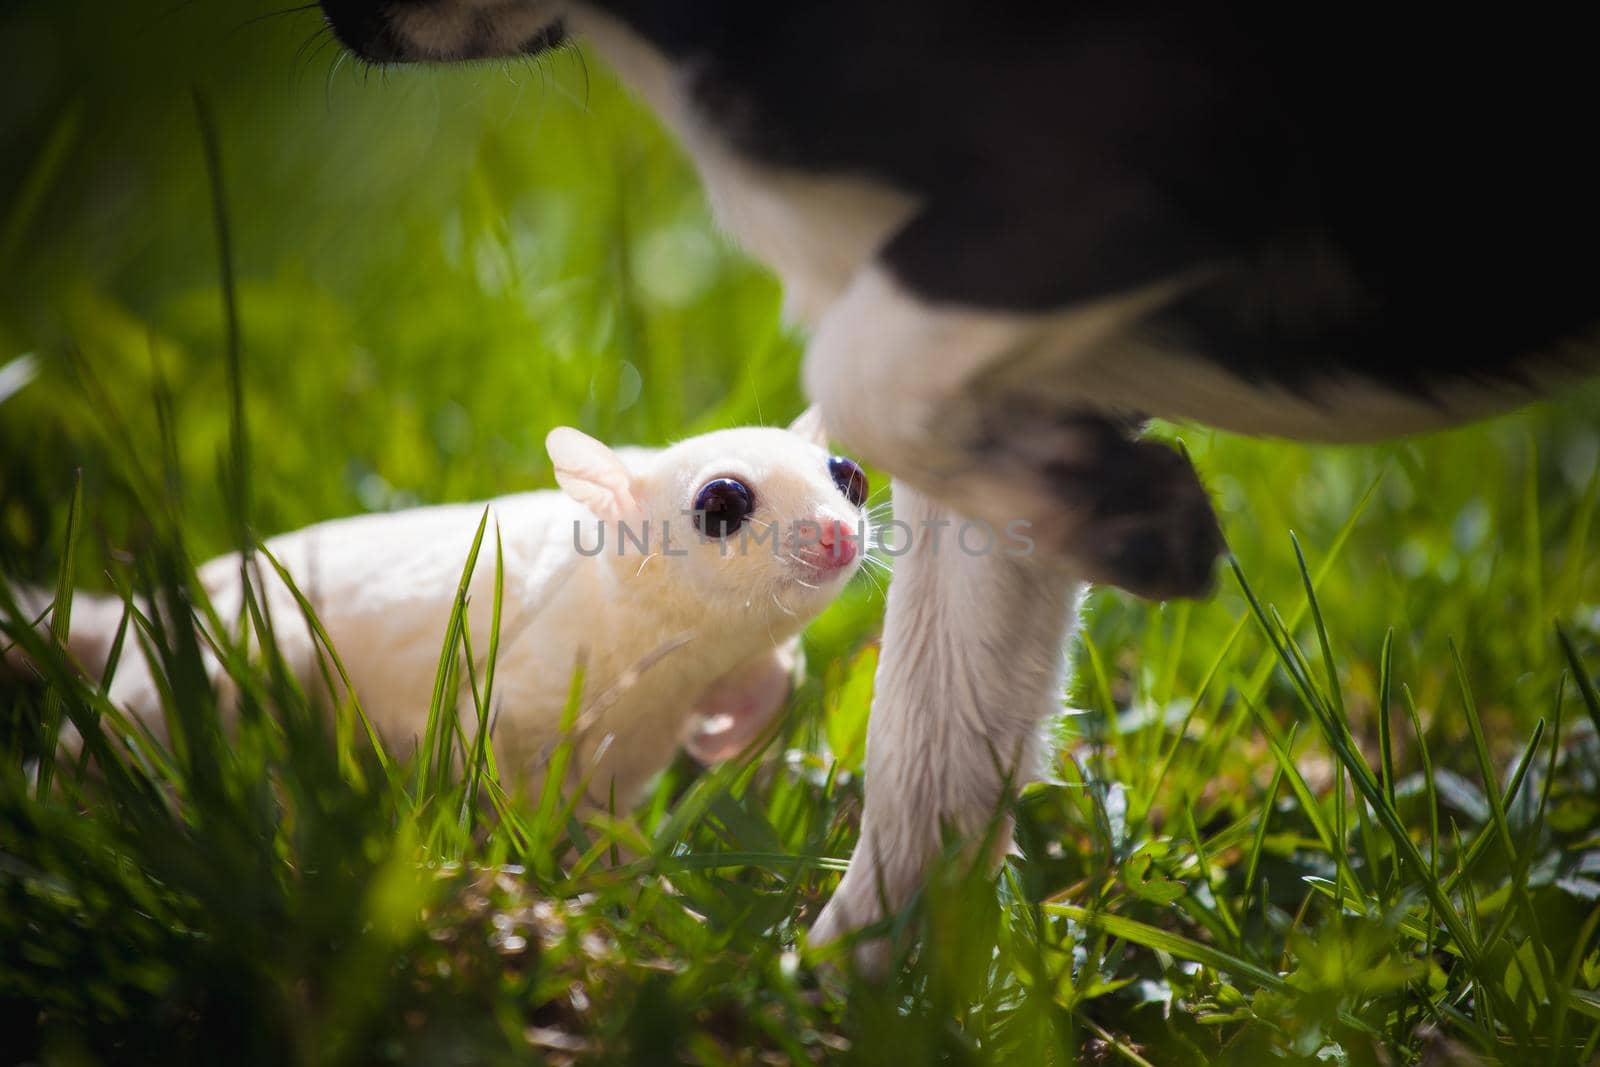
(758,523)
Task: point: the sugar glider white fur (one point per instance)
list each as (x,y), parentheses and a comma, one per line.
(679,578)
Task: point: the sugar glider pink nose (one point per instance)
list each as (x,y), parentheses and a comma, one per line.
(835,545)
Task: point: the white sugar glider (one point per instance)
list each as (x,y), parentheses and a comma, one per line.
(716,552)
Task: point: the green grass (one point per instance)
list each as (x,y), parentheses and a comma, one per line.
(1358,826)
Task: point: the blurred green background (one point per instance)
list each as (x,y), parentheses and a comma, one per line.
(434,266)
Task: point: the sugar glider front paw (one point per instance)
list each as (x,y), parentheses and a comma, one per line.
(740,705)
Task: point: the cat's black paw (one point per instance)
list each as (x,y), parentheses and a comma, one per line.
(1115,508)
(1148,526)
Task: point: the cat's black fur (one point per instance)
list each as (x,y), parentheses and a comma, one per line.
(1408,194)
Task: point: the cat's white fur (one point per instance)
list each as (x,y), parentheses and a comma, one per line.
(692,640)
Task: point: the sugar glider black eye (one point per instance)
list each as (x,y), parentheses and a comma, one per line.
(721,506)
(850,478)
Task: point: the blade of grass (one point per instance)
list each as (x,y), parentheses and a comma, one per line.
(1302,791)
(1183,948)
(434,768)
(1516,859)
(551,811)
(1408,924)
(1385,742)
(1577,553)
(1480,748)
(1334,689)
(113,657)
(1257,679)
(481,754)
(1385,738)
(1580,674)
(391,772)
(1102,687)
(1166,684)
(1488,835)
(1532,549)
(1569,980)
(40,179)
(1224,914)
(238,480)
(1431,792)
(1269,659)
(60,628)
(1266,816)
(1339,740)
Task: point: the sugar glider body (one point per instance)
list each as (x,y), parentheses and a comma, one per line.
(685,632)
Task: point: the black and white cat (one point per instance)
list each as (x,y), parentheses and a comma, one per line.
(1015,230)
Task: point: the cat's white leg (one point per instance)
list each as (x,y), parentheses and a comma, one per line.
(973,663)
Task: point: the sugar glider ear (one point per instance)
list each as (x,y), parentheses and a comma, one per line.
(590,473)
(809,426)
